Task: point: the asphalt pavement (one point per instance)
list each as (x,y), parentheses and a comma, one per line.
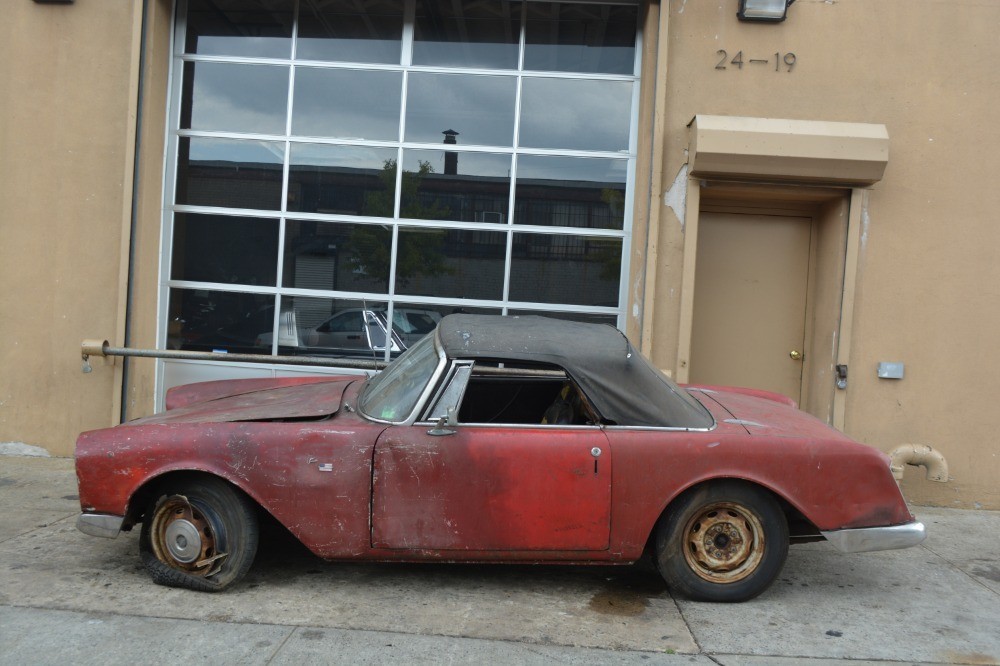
(67,598)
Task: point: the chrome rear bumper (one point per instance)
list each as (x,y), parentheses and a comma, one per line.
(865,539)
(100,524)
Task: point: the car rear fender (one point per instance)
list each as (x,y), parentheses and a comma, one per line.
(825,484)
(799,523)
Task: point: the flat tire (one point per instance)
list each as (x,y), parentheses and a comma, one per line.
(200,534)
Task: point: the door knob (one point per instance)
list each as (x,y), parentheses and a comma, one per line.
(795,355)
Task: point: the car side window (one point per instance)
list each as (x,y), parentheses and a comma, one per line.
(486,397)
(349,322)
(447,403)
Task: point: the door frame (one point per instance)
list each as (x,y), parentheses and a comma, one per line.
(837,212)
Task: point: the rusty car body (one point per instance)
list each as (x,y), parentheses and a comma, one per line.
(515,439)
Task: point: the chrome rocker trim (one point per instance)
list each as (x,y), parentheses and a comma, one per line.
(866,539)
(100,524)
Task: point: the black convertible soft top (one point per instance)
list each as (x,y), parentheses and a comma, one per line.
(622,385)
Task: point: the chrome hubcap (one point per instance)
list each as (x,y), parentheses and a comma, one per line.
(183,536)
(183,541)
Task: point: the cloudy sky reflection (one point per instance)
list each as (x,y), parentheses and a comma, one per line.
(236,98)
(339,103)
(347,103)
(479,108)
(575,114)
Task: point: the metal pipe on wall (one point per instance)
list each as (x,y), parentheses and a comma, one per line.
(919,455)
(103,349)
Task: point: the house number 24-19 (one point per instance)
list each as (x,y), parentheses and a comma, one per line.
(787,60)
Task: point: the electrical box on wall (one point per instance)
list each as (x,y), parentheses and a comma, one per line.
(890,370)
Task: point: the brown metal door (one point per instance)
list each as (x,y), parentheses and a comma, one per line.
(751,285)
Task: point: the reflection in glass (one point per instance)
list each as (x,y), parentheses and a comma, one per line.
(480,109)
(451,263)
(585,317)
(231,97)
(577,270)
(570,192)
(333,327)
(347,104)
(226,321)
(342,180)
(413,321)
(348,31)
(333,256)
(249,28)
(586,37)
(467,33)
(575,114)
(451,185)
(222,248)
(229,172)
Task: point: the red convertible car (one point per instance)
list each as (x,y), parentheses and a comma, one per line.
(515,439)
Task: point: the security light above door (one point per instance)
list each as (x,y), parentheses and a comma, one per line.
(768,11)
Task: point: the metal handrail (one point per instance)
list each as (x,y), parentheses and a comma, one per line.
(102,348)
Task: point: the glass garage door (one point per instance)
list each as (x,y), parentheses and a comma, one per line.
(343,173)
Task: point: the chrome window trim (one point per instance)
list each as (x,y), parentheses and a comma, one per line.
(424,395)
(715,424)
(432,402)
(518,426)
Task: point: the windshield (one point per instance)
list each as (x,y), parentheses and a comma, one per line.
(392,394)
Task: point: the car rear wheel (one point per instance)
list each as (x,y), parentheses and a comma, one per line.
(724,541)
(199,534)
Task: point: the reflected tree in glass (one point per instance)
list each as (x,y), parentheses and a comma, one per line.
(420,255)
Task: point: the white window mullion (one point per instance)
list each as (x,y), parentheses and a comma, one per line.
(511,210)
(409,21)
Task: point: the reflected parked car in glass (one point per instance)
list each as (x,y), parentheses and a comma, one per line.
(353,332)
(411,324)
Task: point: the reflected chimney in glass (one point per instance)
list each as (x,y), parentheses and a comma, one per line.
(450,158)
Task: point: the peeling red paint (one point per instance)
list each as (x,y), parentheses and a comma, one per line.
(350,488)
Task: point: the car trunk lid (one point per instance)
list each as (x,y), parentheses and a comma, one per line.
(768,414)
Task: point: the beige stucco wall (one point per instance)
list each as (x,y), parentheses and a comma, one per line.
(927,283)
(927,291)
(66,122)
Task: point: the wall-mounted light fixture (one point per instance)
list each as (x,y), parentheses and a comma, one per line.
(767,11)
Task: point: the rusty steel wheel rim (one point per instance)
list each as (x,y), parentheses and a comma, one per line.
(183,537)
(723,542)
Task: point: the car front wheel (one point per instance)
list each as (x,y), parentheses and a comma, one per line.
(199,534)
(723,541)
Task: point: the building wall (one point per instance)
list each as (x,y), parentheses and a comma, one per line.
(67,106)
(927,291)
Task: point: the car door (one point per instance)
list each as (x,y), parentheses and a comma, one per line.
(345,330)
(486,487)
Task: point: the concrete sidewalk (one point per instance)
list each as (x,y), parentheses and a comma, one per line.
(69,598)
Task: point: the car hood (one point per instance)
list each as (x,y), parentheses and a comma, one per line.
(768,414)
(298,402)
